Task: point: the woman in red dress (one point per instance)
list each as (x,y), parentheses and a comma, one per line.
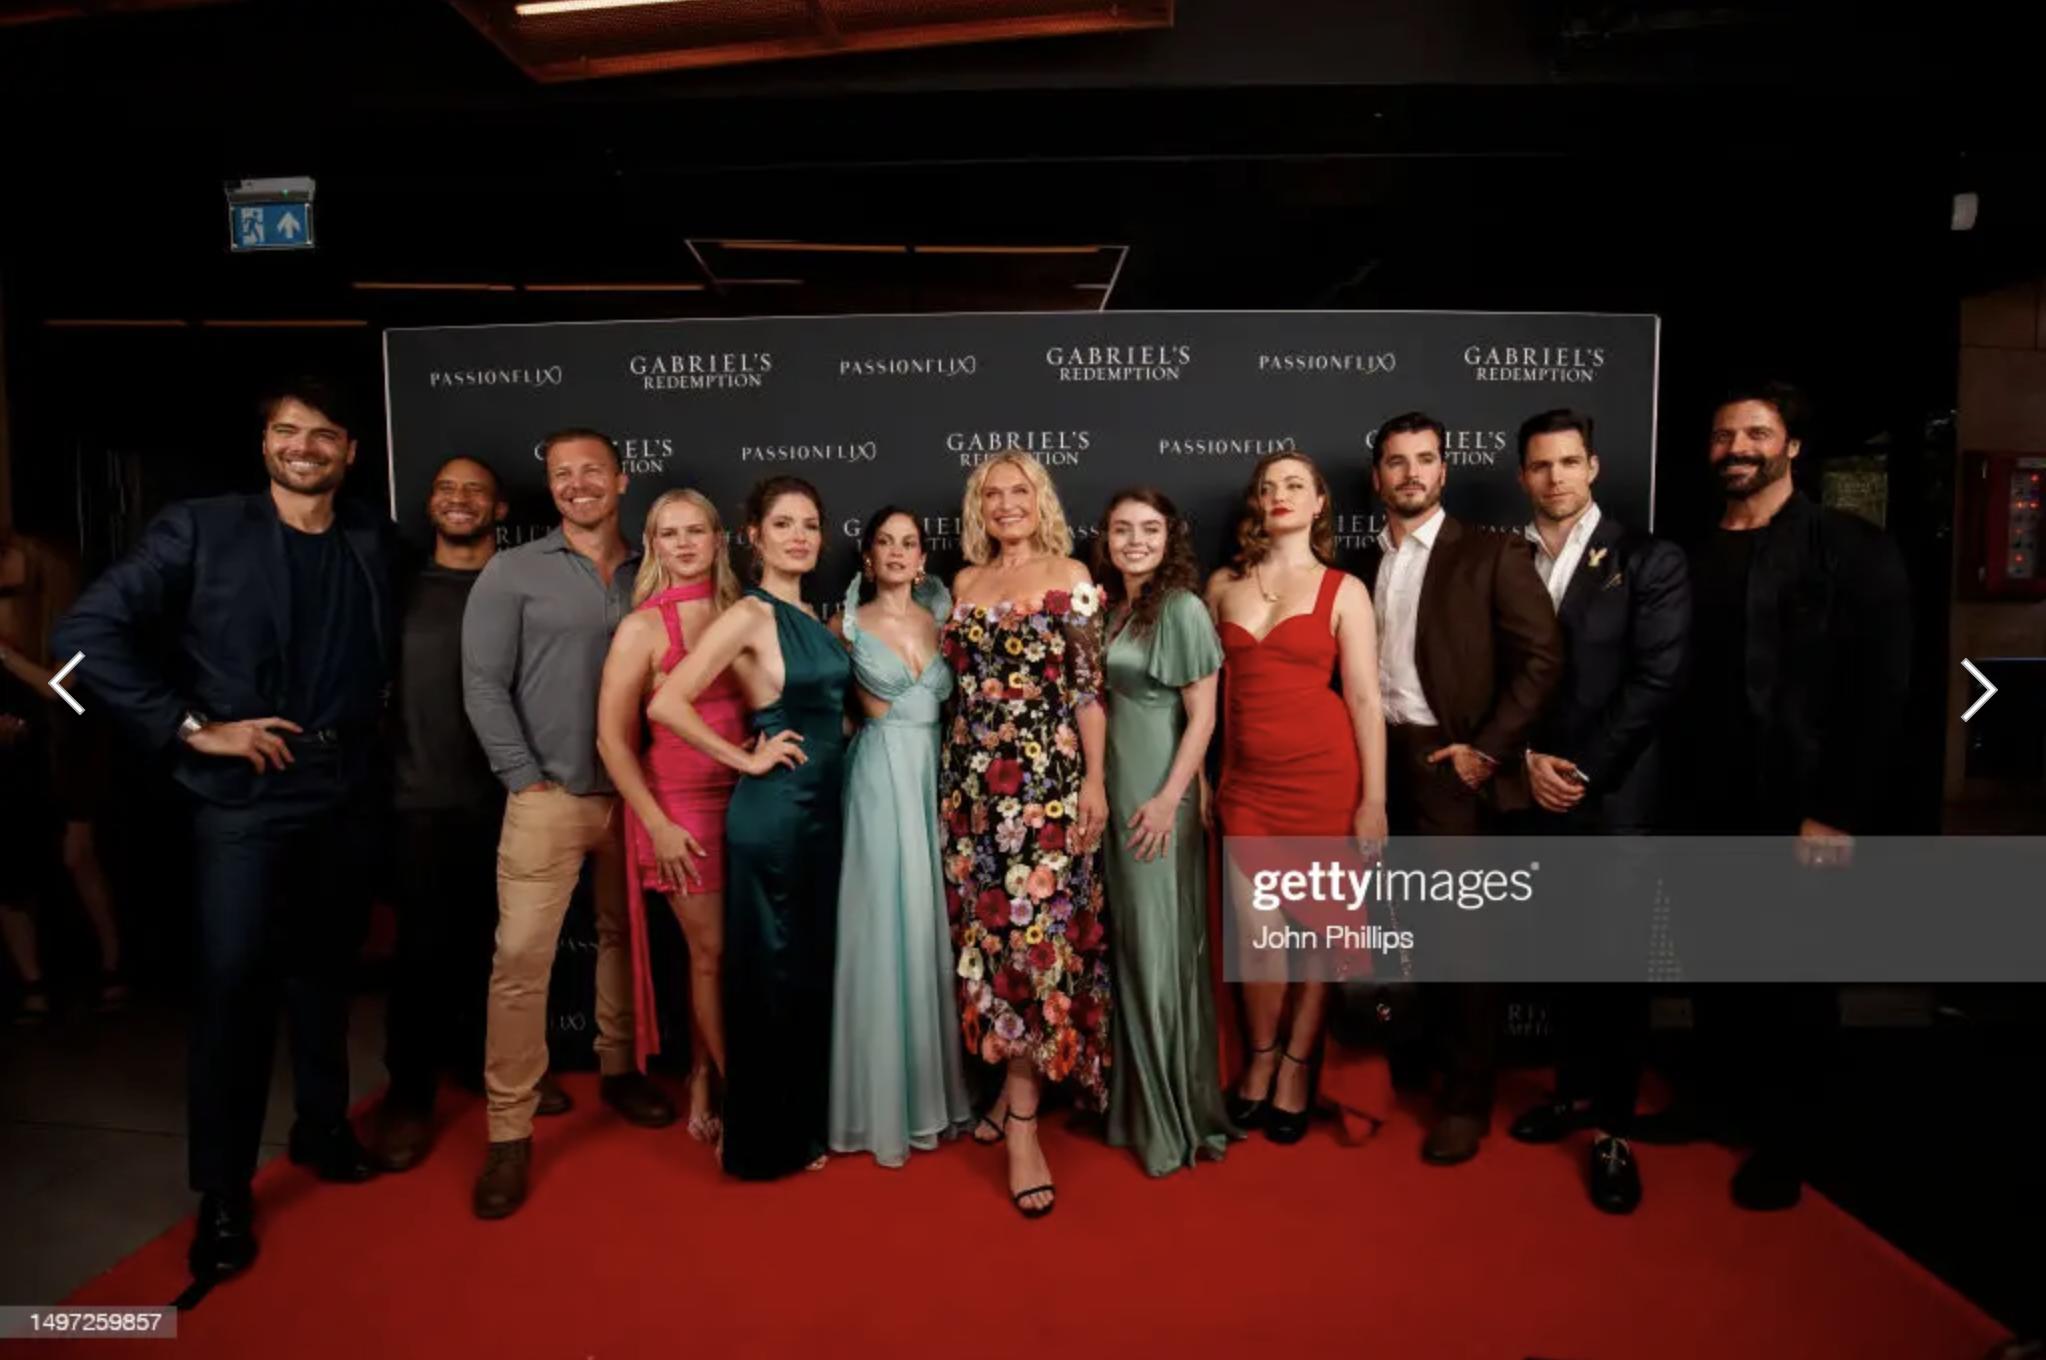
(1299,758)
(675,798)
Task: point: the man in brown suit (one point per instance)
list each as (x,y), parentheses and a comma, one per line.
(1468,653)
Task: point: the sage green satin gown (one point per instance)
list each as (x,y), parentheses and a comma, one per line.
(1165,1095)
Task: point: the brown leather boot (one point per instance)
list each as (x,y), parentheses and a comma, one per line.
(501,1189)
(399,1137)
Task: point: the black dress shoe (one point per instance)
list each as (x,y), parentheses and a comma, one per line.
(1615,1181)
(224,1243)
(332,1153)
(1768,1180)
(1550,1122)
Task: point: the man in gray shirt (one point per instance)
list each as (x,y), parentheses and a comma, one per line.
(534,636)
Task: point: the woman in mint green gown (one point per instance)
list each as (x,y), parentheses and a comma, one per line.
(781,836)
(1165,1098)
(897,1075)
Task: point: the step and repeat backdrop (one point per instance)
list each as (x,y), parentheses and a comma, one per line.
(879,409)
(899,409)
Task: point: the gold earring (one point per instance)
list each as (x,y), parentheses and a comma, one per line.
(919,579)
(867,569)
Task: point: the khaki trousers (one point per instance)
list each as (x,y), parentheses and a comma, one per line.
(547,833)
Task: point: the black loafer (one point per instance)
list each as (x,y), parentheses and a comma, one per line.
(332,1153)
(1550,1122)
(1615,1180)
(224,1242)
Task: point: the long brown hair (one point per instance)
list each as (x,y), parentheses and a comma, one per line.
(1253,544)
(1178,569)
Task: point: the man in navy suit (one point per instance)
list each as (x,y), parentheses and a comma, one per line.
(1623,600)
(248,639)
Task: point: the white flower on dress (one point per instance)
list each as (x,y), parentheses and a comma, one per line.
(970,966)
(980,762)
(1086,599)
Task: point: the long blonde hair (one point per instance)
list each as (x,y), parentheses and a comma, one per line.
(1054,536)
(653,576)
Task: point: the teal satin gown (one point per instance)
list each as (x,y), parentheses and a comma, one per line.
(781,897)
(1165,1097)
(897,1075)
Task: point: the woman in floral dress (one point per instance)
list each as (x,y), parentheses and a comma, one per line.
(1024,807)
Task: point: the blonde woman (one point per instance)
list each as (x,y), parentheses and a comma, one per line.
(1024,806)
(675,797)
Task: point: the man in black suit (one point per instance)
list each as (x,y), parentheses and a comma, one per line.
(1594,767)
(276,607)
(1468,652)
(1801,666)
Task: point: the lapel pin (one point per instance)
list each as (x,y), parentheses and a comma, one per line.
(1597,556)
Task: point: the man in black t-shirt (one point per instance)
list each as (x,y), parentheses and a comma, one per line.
(1802,656)
(269,706)
(449,807)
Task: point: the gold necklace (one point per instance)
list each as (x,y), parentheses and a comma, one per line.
(1259,582)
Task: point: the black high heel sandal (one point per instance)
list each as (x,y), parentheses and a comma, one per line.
(1244,1112)
(1008,1117)
(1287,1126)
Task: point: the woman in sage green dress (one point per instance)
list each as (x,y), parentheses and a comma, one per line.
(897,1075)
(1165,1101)
(781,836)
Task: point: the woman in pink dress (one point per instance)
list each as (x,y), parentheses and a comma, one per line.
(675,797)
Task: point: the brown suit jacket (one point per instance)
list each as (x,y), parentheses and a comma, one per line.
(1486,644)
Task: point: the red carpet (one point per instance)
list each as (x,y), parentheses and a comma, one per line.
(632,1245)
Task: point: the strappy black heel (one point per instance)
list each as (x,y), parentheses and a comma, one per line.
(1244,1112)
(1009,1116)
(1286,1126)
(983,1121)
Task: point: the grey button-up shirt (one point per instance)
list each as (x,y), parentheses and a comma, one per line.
(534,636)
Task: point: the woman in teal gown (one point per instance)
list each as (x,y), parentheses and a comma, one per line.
(781,836)
(897,1075)
(1165,1097)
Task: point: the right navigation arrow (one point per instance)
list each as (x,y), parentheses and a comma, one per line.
(1988,690)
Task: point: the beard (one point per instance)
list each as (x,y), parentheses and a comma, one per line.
(1415,500)
(1773,468)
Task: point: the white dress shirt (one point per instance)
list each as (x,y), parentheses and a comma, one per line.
(1556,571)
(1398,601)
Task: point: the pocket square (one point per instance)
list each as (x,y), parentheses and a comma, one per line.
(1617,578)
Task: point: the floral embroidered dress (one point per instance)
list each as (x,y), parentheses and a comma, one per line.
(1026,913)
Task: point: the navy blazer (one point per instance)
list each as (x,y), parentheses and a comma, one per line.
(198,617)
(1626,616)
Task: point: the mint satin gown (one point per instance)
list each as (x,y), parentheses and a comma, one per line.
(781,901)
(1165,1094)
(897,1075)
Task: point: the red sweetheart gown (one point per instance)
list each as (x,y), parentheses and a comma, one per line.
(1290,768)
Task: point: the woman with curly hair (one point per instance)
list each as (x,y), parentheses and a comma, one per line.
(1024,808)
(1299,759)
(1165,1093)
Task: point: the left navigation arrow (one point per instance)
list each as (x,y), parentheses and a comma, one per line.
(57,683)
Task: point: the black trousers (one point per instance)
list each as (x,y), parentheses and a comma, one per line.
(447,933)
(281,900)
(1461,1017)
